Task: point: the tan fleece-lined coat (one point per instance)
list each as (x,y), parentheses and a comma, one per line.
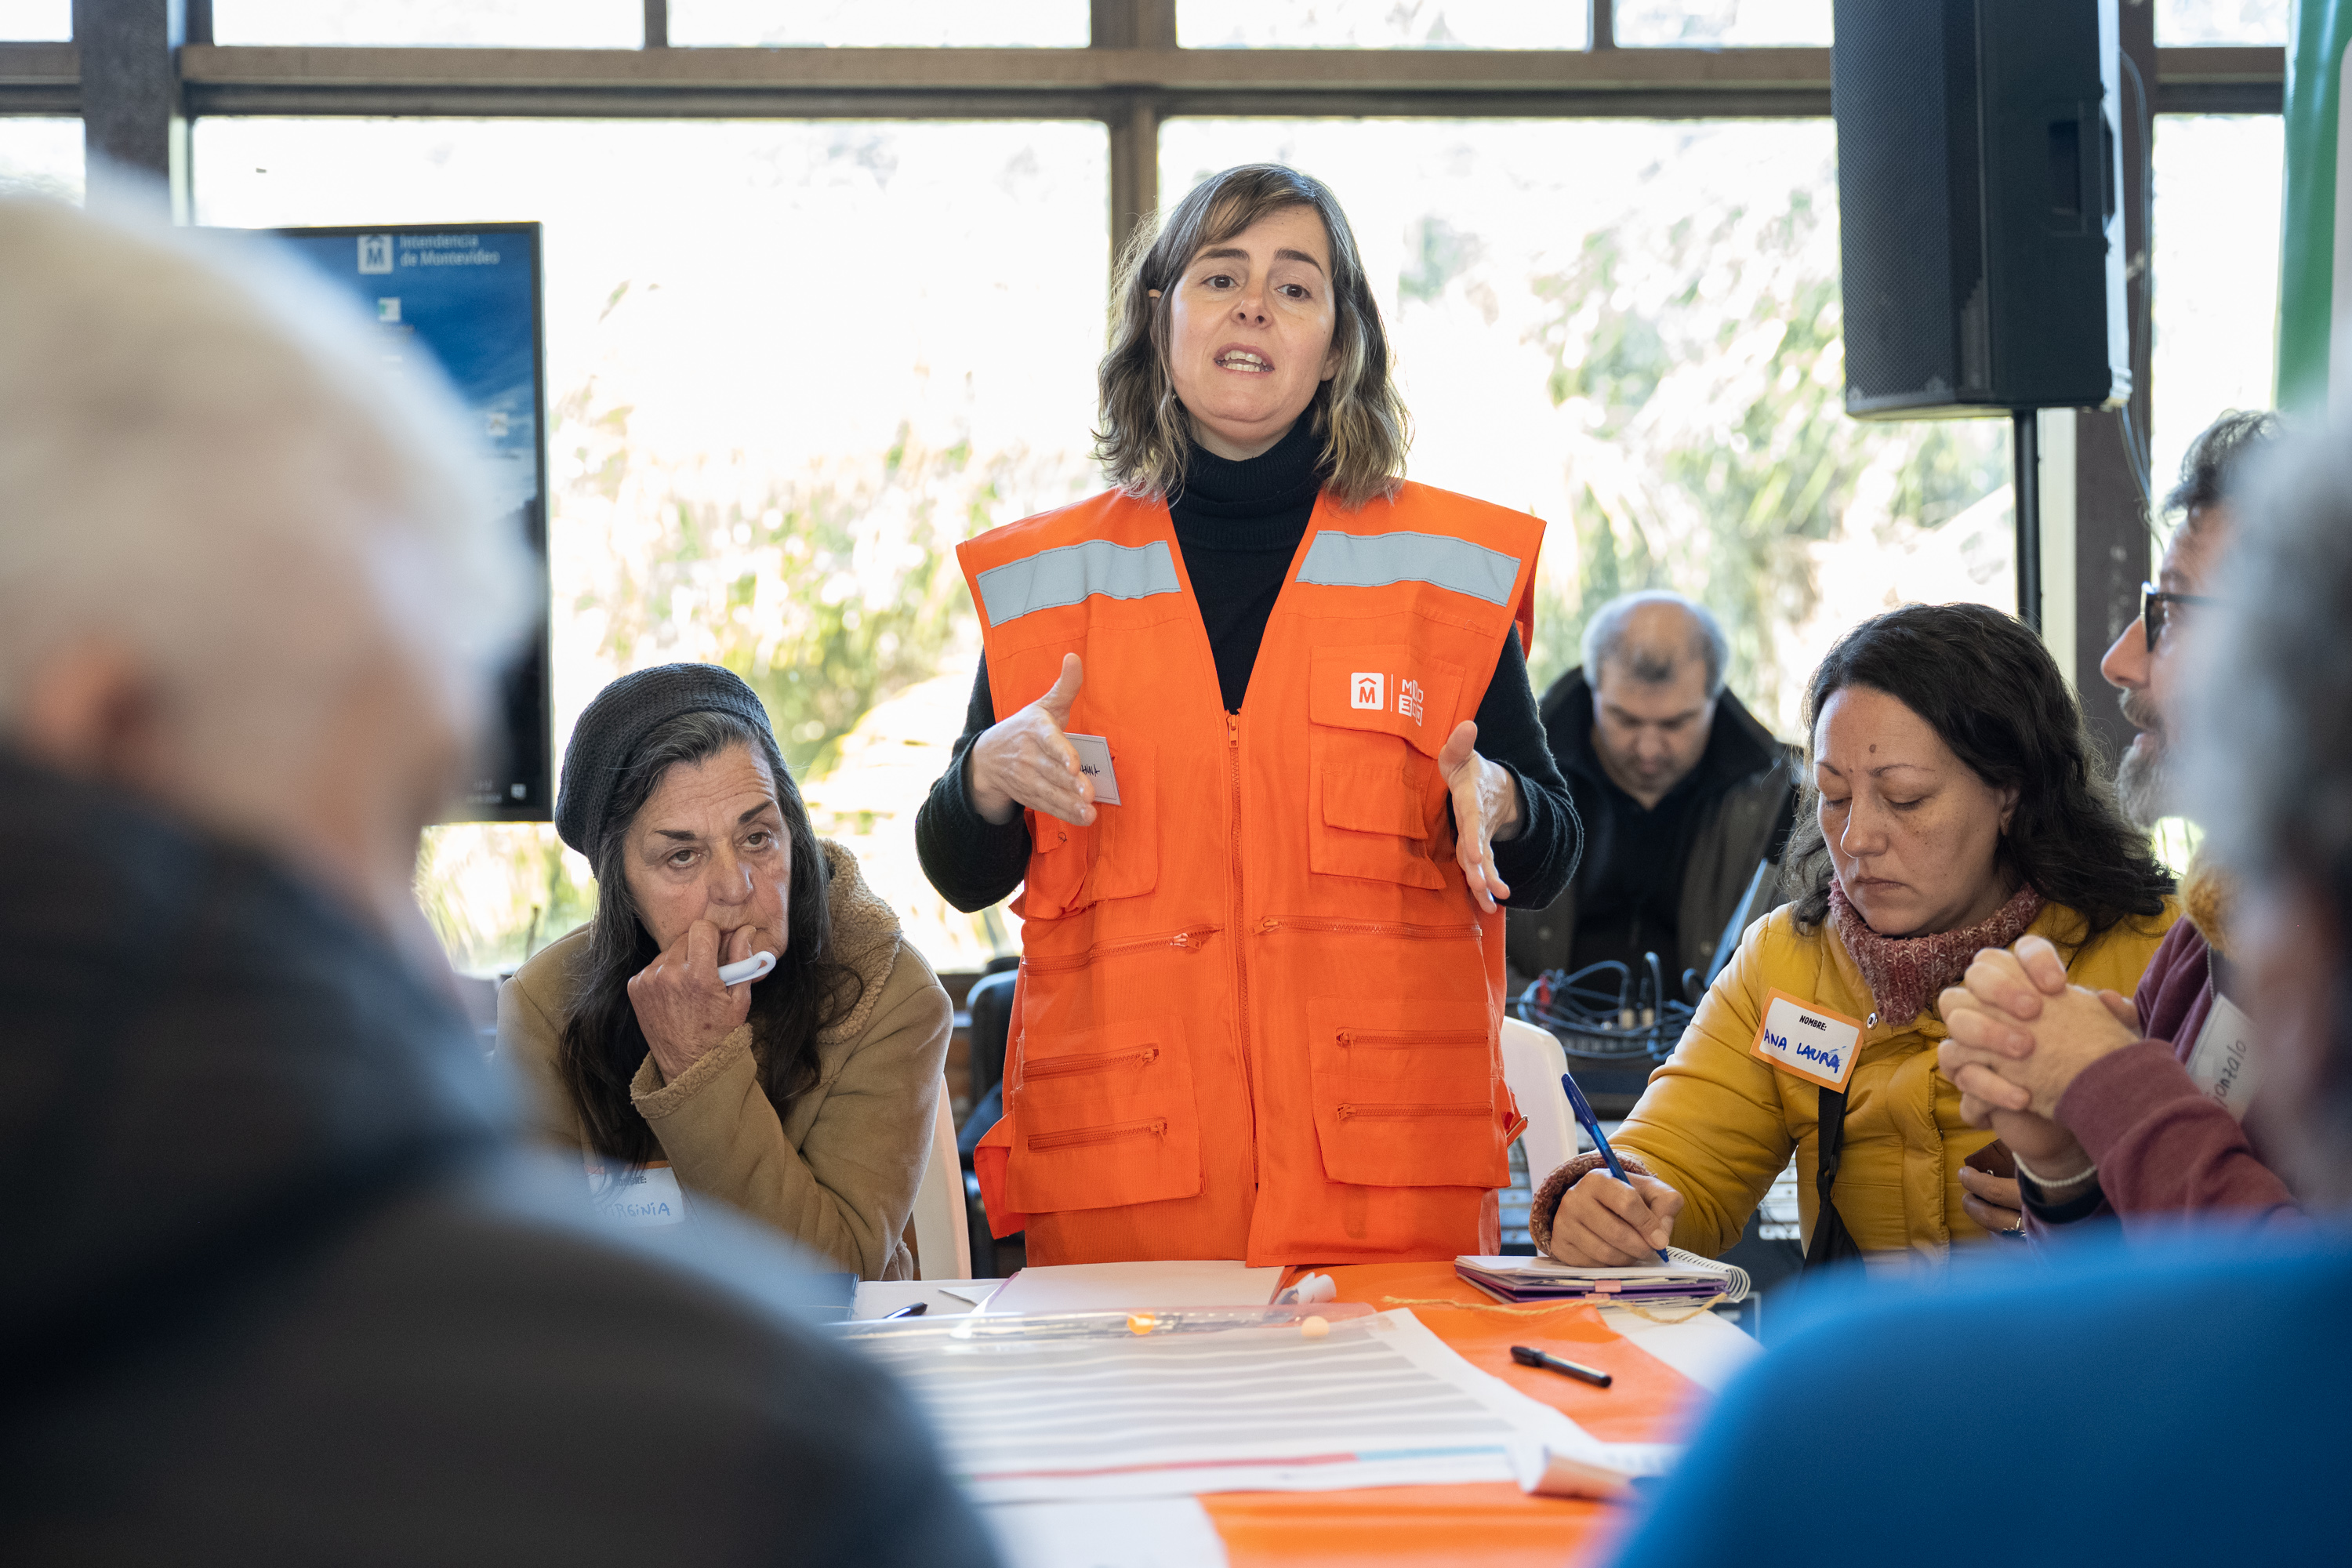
(836,1169)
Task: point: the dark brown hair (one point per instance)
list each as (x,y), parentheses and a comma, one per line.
(1990,690)
(2211,467)
(807,992)
(1146,433)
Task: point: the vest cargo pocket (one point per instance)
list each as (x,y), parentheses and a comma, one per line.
(1105,1117)
(1370,806)
(1407,1093)
(1072,868)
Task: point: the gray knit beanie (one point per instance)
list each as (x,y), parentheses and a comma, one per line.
(612,727)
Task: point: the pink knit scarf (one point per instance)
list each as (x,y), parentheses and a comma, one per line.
(1904,973)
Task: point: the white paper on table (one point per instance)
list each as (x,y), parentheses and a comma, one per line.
(1126,1287)
(1139,1532)
(1702,1347)
(940,1298)
(977,1292)
(1378,1401)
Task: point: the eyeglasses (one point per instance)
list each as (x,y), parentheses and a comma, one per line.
(2152,611)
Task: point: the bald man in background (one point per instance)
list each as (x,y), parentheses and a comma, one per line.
(1684,796)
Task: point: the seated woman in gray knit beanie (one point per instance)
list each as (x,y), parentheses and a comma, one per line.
(804,1098)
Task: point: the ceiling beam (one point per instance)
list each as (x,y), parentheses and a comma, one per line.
(1090,83)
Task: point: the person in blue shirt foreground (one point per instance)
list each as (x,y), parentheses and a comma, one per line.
(2175,1401)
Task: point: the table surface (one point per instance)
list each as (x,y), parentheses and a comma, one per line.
(1492,1524)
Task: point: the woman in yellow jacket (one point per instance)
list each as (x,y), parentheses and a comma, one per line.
(1952,807)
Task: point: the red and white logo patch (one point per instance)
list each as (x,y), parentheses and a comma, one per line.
(1368,688)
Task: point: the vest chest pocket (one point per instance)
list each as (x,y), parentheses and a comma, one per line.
(1379,713)
(1071,867)
(1105,1117)
(1406,1093)
(1371,806)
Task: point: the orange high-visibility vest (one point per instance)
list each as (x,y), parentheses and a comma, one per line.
(1258,1009)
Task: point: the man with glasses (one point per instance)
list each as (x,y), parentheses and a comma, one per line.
(2140,1107)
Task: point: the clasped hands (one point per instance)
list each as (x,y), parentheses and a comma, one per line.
(2020,1035)
(1027,760)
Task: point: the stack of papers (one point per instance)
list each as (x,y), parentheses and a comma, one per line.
(1374,1401)
(1690,1280)
(1135,1287)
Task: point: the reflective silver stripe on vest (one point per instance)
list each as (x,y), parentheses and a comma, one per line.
(1377,560)
(1071,573)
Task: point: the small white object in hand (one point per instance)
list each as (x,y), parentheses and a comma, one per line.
(751,968)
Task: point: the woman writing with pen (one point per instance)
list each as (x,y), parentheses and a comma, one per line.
(1952,807)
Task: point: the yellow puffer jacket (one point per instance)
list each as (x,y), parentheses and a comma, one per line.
(1717,1123)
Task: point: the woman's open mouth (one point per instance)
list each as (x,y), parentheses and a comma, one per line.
(1247,361)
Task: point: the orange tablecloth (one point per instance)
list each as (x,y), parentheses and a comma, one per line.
(1490,1524)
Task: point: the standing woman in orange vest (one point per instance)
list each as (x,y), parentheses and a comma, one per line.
(1252,733)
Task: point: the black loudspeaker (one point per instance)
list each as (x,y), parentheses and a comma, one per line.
(1981,230)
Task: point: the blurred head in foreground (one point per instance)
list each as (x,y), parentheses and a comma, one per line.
(2269,775)
(2146,661)
(248,595)
(244,574)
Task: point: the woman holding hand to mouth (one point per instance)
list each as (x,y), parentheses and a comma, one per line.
(1952,807)
(1262,939)
(804,1098)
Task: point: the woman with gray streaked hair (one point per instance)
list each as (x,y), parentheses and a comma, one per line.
(1277,654)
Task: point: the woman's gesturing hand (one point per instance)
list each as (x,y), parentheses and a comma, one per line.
(1027,760)
(1485,808)
(680,1004)
(1602,1223)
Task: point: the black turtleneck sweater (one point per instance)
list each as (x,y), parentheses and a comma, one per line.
(1239,525)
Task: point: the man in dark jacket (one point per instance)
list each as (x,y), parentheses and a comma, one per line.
(1685,798)
(278,1285)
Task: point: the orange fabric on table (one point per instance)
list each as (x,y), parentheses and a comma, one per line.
(1492,1524)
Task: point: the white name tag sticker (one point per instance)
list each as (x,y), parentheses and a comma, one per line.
(2222,1062)
(647,1198)
(1093,761)
(1798,1037)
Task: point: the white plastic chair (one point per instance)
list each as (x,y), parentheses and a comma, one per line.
(943,1236)
(1532,1063)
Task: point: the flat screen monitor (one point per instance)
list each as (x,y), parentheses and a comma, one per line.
(468,296)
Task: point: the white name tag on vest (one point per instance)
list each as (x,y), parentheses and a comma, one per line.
(647,1198)
(1093,761)
(1798,1037)
(2222,1062)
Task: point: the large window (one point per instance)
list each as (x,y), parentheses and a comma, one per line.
(41,157)
(36,21)
(1382,25)
(795,366)
(2218,189)
(544,24)
(1631,330)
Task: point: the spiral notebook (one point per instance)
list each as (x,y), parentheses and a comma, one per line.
(1690,1280)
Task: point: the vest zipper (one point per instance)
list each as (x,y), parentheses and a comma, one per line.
(1272,926)
(1241,957)
(1060,1066)
(1038,1141)
(1360,1039)
(1408,1112)
(1190,940)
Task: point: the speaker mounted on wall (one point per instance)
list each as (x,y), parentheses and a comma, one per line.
(1980,231)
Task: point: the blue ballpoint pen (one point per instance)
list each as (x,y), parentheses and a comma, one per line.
(1591,1124)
